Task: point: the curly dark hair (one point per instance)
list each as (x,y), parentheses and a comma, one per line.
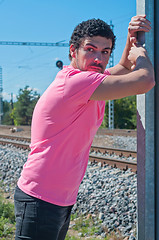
(90,28)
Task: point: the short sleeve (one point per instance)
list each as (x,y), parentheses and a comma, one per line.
(80,85)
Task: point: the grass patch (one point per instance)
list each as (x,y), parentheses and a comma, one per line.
(86,227)
(83,227)
(7,220)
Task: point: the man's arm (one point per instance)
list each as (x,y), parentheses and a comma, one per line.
(137,23)
(139,81)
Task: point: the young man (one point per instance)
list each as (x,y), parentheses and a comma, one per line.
(65,121)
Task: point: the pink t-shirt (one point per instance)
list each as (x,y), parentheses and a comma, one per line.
(63,127)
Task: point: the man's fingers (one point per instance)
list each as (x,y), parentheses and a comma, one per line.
(139,23)
(133,67)
(140,18)
(138,28)
(133,40)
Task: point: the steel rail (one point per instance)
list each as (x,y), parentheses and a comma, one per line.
(111,151)
(116,163)
(16,144)
(27,139)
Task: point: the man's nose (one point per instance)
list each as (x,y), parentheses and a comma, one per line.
(98,59)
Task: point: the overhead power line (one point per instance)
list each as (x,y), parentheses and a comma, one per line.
(38,44)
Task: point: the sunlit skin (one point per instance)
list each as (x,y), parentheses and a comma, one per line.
(92,55)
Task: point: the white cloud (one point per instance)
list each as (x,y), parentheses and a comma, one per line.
(34,89)
(7,96)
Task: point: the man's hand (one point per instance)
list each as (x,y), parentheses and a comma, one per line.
(127,62)
(138,23)
(135,52)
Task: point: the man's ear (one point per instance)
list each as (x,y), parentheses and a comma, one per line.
(72,51)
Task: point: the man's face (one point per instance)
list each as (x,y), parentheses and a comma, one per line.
(93,54)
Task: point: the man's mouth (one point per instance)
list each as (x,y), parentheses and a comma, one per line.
(97,68)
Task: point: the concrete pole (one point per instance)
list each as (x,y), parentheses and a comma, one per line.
(146,118)
(156,64)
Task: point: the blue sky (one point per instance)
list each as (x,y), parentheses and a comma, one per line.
(50,21)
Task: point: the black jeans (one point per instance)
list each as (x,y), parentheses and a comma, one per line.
(39,220)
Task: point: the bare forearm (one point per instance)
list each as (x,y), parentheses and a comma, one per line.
(139,81)
(124,65)
(124,61)
(145,68)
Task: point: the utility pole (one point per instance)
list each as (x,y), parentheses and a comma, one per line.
(148,133)
(111,102)
(1,97)
(11,103)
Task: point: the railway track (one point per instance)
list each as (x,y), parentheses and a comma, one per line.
(16,138)
(118,158)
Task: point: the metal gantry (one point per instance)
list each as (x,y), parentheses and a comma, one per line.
(111,102)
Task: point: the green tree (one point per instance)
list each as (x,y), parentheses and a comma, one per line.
(6,119)
(23,108)
(106,118)
(124,113)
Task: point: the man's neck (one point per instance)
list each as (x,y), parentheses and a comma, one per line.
(73,63)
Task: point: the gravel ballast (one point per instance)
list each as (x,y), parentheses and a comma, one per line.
(108,194)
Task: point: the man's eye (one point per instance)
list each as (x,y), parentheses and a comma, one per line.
(105,52)
(90,49)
